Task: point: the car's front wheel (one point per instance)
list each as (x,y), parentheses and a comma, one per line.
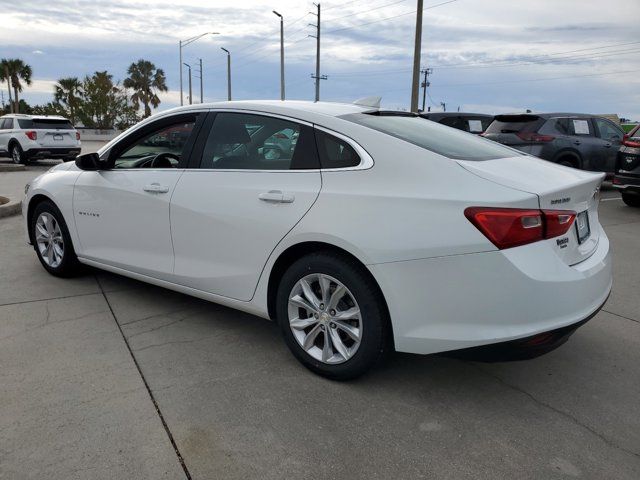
(332,315)
(17,155)
(631,199)
(52,242)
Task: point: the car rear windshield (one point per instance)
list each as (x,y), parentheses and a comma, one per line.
(45,124)
(514,124)
(432,136)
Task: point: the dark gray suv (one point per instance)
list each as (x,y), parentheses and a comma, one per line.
(576,140)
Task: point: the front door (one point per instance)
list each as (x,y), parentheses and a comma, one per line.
(610,139)
(122,212)
(258,177)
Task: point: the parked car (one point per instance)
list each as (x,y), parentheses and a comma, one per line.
(575,140)
(468,122)
(30,137)
(627,177)
(380,231)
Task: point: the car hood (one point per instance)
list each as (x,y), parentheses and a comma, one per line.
(64,167)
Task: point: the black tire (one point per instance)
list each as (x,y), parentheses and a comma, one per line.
(631,199)
(17,155)
(69,266)
(567,163)
(376,336)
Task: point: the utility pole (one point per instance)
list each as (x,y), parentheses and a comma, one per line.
(201,89)
(426,83)
(317,76)
(415,79)
(190,95)
(444,106)
(228,73)
(281,55)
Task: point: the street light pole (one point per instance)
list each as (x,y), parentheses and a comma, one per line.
(228,73)
(281,55)
(190,96)
(181,45)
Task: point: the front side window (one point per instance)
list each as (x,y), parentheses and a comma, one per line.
(240,141)
(606,129)
(162,147)
(6,124)
(433,136)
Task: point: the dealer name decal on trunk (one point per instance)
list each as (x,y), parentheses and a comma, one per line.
(557,201)
(562,242)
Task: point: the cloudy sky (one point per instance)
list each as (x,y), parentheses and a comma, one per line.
(487,55)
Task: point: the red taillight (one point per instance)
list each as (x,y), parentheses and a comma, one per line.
(557,222)
(535,137)
(512,227)
(616,181)
(31,135)
(77,135)
(627,142)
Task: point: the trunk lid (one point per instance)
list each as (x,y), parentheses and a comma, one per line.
(557,188)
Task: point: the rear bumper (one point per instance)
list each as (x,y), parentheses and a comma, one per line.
(626,182)
(462,301)
(34,153)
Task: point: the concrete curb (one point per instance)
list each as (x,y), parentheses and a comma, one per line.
(9,207)
(12,168)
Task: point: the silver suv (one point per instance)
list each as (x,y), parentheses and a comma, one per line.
(30,137)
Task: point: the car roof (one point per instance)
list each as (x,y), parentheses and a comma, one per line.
(295,108)
(547,115)
(33,117)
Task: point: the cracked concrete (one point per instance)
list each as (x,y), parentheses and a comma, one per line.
(239,406)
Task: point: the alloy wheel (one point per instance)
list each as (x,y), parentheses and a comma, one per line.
(325,318)
(49,240)
(16,156)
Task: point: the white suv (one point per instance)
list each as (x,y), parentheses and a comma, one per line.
(30,137)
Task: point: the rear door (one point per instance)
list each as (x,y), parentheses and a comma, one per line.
(230,212)
(609,139)
(6,125)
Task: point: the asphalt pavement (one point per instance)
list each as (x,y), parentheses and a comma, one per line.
(106,377)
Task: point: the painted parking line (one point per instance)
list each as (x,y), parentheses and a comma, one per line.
(610,199)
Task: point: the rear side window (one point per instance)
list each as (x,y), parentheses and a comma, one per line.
(515,124)
(334,152)
(433,136)
(573,126)
(239,141)
(44,124)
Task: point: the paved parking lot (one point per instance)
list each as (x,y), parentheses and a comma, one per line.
(106,377)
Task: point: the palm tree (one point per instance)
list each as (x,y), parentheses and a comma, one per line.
(68,91)
(145,80)
(13,70)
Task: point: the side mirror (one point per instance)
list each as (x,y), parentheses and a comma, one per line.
(88,161)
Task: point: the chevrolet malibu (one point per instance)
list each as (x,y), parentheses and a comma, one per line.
(375,231)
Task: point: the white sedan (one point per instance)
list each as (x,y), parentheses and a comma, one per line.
(368,231)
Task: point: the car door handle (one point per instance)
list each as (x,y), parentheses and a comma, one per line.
(577,142)
(276,196)
(156,188)
(607,145)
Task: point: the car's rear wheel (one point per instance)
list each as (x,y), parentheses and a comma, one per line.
(17,155)
(631,199)
(52,242)
(332,315)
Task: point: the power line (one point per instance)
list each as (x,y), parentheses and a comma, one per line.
(365,11)
(389,18)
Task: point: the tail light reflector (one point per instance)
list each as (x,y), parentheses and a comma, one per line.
(512,227)
(77,135)
(535,137)
(31,135)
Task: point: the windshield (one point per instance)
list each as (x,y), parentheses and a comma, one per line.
(432,136)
